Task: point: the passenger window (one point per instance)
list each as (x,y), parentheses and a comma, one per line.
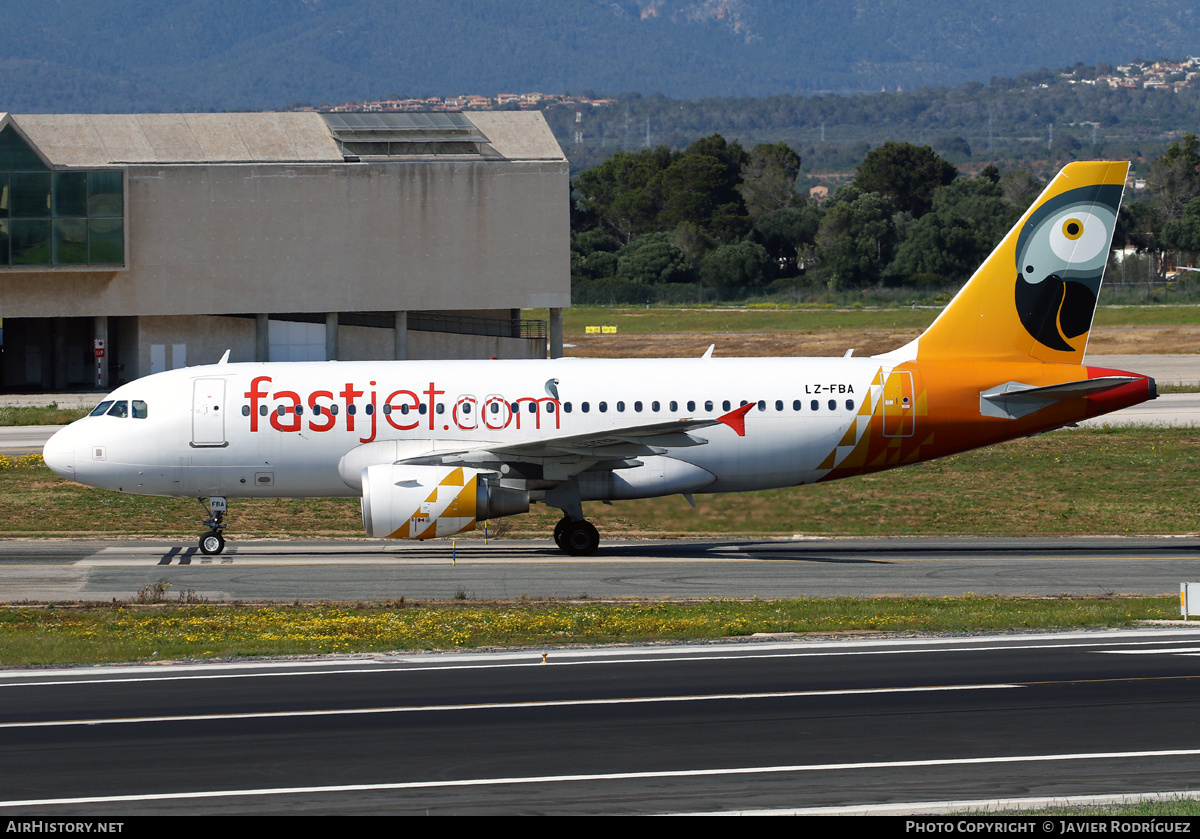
(762,405)
(603,407)
(674,406)
(708,405)
(778,404)
(119,409)
(654,407)
(725,405)
(795,404)
(621,407)
(262,410)
(816,406)
(245,410)
(101,409)
(637,406)
(691,405)
(585,407)
(849,404)
(567,407)
(833,404)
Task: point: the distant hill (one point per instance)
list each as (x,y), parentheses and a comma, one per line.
(138,55)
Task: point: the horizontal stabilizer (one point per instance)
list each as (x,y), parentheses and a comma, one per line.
(1013,400)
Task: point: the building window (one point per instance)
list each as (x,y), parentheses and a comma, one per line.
(57,218)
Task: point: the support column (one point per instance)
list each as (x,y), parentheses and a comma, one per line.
(401,336)
(100,333)
(556,333)
(60,354)
(331,336)
(262,338)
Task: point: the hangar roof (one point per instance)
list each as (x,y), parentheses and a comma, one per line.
(94,140)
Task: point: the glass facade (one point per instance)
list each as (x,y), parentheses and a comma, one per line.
(57,218)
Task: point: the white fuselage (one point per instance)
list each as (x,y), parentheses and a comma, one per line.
(218,430)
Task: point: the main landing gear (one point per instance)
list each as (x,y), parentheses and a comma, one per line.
(578,538)
(213,542)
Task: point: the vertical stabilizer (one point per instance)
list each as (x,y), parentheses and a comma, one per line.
(1033,299)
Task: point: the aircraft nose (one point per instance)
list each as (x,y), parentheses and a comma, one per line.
(59,453)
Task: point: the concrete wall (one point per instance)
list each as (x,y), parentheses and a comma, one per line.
(418,235)
(206,338)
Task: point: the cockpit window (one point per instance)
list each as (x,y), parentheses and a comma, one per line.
(139,409)
(101,409)
(120,408)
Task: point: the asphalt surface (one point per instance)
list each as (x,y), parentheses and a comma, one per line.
(898,725)
(60,571)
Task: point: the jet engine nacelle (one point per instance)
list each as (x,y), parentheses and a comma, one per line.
(423,502)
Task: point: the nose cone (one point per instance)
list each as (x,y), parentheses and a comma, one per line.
(59,453)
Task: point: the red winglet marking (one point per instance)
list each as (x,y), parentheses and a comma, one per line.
(737,419)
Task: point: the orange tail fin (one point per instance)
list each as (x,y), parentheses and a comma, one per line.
(1033,299)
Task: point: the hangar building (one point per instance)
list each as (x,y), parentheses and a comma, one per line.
(136,243)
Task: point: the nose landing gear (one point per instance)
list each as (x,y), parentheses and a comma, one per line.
(213,542)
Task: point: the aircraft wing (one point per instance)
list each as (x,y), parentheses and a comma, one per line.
(567,455)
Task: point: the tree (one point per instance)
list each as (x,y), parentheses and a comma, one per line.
(740,264)
(616,191)
(769,179)
(907,174)
(784,232)
(855,239)
(1183,233)
(652,259)
(1175,177)
(1020,189)
(968,219)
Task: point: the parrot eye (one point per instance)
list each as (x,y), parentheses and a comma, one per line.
(1072,228)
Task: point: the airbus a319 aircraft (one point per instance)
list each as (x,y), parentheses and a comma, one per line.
(435,447)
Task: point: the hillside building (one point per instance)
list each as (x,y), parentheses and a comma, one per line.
(163,240)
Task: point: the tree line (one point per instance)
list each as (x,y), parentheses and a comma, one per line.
(715,219)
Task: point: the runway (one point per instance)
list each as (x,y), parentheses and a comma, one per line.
(376,570)
(802,726)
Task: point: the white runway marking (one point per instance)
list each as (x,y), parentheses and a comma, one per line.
(560,703)
(612,776)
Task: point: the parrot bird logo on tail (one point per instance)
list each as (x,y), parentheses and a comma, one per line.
(1061,254)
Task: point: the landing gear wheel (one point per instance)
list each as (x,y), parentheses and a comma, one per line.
(580,538)
(212,543)
(560,530)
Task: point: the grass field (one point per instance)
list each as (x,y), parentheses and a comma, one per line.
(824,331)
(1078,481)
(162,631)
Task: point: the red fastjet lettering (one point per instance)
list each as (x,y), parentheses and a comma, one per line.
(291,412)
